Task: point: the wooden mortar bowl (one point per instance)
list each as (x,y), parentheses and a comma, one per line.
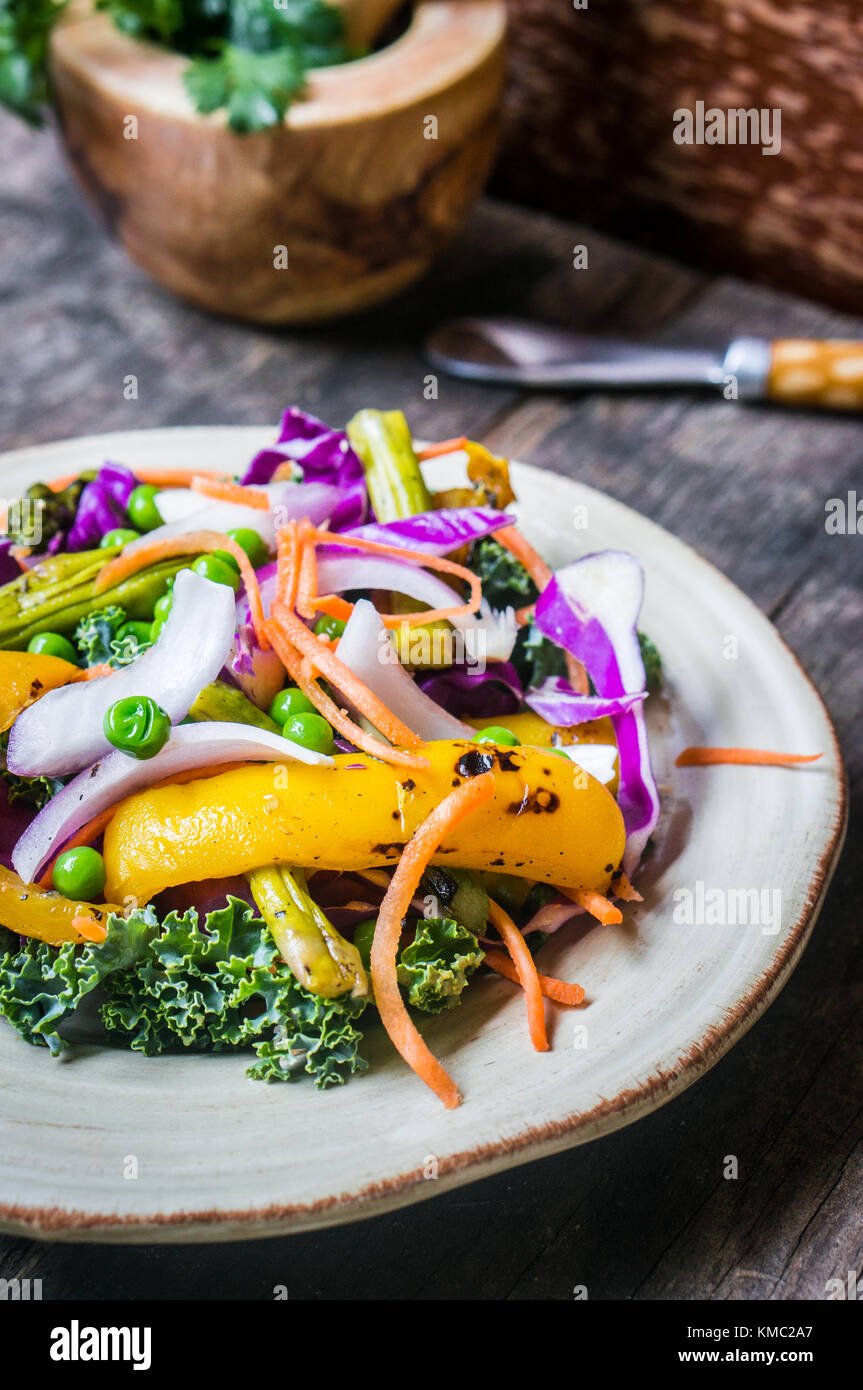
(349,186)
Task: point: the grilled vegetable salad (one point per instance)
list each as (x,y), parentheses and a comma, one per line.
(288,749)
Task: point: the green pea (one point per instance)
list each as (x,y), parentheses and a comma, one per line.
(288,702)
(142,509)
(310,731)
(80,873)
(121,536)
(329,627)
(137,726)
(495,733)
(364,933)
(212,568)
(227,559)
(251,542)
(140,631)
(52,644)
(156,628)
(163,607)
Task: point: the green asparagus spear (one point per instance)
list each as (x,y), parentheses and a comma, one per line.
(382,440)
(321,959)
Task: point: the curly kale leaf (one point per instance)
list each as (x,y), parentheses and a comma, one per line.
(535,657)
(225,986)
(42,985)
(95,633)
(25,28)
(100,641)
(437,964)
(652,664)
(505,581)
(33,791)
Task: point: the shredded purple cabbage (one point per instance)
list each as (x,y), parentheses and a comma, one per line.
(556,701)
(9,568)
(591,609)
(475,694)
(102,507)
(436,533)
(325,456)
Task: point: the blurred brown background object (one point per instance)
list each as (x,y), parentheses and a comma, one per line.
(589,131)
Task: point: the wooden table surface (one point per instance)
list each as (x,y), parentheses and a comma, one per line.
(646,1212)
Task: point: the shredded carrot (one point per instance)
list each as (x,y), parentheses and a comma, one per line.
(524,615)
(417,557)
(333,605)
(324,660)
(513,541)
(385,943)
(528,975)
(707,757)
(224,491)
(174,477)
(447,446)
(58,484)
(287,564)
(90,929)
(92,672)
(594,903)
(192,543)
(624,890)
(558,990)
(307,586)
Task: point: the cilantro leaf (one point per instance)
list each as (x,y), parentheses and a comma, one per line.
(435,967)
(535,657)
(25,28)
(254,88)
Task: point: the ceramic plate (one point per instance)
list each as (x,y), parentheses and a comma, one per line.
(219,1157)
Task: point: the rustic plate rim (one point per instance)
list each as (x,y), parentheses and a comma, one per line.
(222,1224)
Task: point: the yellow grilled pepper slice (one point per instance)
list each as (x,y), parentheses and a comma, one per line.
(318,955)
(24,676)
(33,911)
(547,820)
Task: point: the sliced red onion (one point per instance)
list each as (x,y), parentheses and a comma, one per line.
(366,648)
(551,916)
(436,533)
(556,701)
(258,673)
(62,732)
(591,609)
(117,776)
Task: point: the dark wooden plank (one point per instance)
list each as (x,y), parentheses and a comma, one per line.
(646,1212)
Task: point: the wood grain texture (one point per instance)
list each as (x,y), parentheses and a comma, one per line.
(346,202)
(589,130)
(644,1213)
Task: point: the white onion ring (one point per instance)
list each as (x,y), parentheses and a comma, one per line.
(62,732)
(366,648)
